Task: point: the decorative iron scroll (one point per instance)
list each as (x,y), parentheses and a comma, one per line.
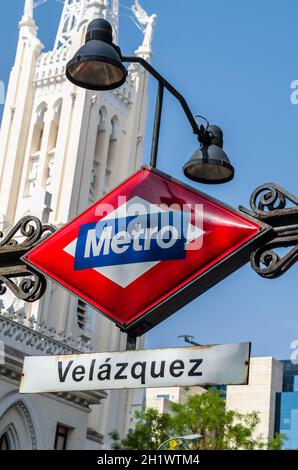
(24,282)
(278,208)
(269,203)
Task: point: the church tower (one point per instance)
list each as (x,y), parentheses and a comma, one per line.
(61,149)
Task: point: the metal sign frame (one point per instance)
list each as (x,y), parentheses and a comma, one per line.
(196,286)
(203,281)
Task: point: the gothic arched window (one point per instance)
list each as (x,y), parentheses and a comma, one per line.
(36,144)
(9,438)
(95,189)
(112,155)
(4,442)
(52,144)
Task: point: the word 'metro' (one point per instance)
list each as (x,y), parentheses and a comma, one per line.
(132,239)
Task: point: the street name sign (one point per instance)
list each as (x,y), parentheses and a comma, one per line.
(147,248)
(224,364)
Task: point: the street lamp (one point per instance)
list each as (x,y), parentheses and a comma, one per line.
(98,65)
(183,439)
(210,164)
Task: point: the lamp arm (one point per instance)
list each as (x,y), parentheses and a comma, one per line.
(200,131)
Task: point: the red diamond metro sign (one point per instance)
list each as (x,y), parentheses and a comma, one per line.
(147,248)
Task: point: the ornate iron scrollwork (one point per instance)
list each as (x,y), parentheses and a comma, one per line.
(269,203)
(278,208)
(24,282)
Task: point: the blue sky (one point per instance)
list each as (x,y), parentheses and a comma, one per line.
(234,62)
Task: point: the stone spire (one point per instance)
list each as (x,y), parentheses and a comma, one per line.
(95,9)
(72,14)
(28,9)
(27,19)
(77,12)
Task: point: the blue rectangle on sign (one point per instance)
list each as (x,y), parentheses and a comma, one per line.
(133,239)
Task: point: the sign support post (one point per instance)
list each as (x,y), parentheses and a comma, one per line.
(131,342)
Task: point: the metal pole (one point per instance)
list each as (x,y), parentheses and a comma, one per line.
(285,228)
(157,121)
(131,343)
(190,341)
(202,133)
(184,442)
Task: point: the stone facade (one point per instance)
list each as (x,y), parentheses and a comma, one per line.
(162,398)
(265,380)
(62,148)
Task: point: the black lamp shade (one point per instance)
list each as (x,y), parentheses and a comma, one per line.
(210,164)
(97,64)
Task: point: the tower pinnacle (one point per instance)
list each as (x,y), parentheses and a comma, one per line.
(76,11)
(27,19)
(28,9)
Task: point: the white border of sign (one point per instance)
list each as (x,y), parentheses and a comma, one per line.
(223,364)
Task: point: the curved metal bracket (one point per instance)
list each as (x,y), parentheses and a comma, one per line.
(272,204)
(24,282)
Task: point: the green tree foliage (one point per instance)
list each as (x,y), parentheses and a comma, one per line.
(203,414)
(151,429)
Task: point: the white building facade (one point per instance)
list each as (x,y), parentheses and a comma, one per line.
(265,381)
(61,149)
(162,398)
